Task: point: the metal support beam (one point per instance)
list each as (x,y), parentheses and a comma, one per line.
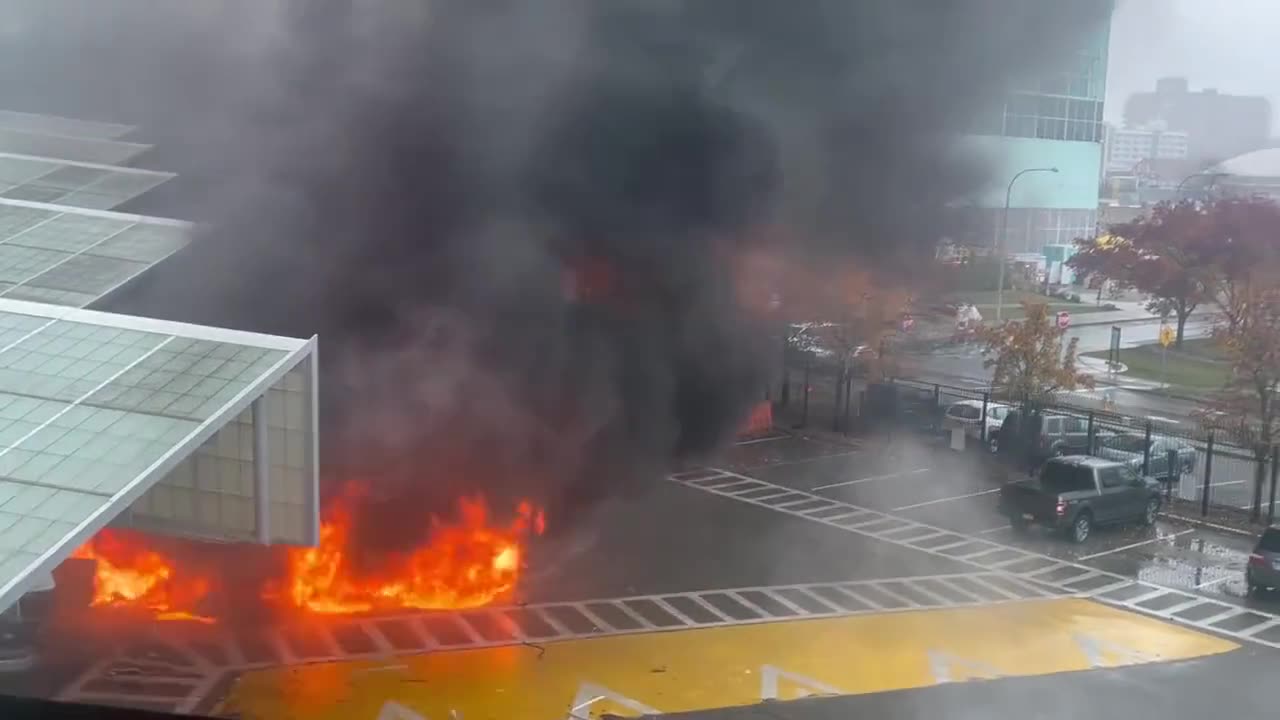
(261,472)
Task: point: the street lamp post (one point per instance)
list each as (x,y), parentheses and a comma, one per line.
(1213,178)
(1004,229)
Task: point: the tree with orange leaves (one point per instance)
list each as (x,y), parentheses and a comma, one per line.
(1251,342)
(1169,255)
(1027,357)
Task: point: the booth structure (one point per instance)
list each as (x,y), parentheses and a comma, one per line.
(105,418)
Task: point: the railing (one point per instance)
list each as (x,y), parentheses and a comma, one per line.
(1209,471)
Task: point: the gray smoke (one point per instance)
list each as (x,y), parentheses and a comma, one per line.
(415,181)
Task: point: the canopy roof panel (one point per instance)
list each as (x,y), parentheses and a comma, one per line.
(95,408)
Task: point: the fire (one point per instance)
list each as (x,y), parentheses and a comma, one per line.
(129,574)
(463,563)
(467,563)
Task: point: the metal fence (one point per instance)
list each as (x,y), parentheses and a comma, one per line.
(1209,469)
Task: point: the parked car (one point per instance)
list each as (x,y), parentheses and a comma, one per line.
(1263,570)
(1075,492)
(967,414)
(1130,448)
(1038,437)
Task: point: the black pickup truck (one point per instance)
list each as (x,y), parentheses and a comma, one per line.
(1073,493)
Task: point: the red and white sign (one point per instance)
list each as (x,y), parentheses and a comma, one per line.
(1064,320)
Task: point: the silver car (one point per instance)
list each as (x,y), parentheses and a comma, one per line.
(1130,448)
(1263,570)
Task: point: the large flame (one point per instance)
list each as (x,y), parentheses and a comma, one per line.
(129,574)
(464,563)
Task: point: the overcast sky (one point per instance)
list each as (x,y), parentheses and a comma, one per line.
(1231,45)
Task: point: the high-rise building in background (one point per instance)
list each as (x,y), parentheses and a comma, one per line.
(1129,149)
(1050,120)
(1218,125)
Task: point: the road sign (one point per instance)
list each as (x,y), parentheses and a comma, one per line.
(1166,335)
(908,322)
(1064,320)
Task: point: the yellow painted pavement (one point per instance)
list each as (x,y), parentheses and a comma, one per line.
(718,667)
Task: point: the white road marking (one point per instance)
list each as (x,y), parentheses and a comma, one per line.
(995,529)
(1130,546)
(1207,583)
(917,471)
(805,460)
(771,438)
(946,499)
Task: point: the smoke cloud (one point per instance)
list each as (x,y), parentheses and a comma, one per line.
(513,224)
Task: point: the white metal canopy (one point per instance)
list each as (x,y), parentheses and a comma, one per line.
(74,256)
(77,184)
(97,408)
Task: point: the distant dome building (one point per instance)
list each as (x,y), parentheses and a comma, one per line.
(1253,173)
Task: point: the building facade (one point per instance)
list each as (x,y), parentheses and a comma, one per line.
(1127,149)
(1050,120)
(1218,125)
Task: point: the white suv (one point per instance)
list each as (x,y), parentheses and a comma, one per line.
(968,415)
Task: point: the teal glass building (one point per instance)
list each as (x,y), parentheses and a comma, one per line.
(1052,119)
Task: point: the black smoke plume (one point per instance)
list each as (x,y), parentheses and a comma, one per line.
(513,223)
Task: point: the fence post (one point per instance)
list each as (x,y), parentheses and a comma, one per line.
(804,408)
(1171,457)
(986,400)
(1146,454)
(1208,475)
(848,401)
(1275,469)
(1088,449)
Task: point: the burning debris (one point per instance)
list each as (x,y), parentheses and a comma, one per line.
(466,562)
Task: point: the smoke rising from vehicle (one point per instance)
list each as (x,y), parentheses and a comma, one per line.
(513,224)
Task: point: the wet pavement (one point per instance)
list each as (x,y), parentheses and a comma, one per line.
(1227,686)
(953,491)
(779,529)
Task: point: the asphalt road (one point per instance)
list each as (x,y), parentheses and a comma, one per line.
(774,529)
(963,363)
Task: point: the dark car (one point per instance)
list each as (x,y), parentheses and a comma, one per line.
(1075,492)
(1263,570)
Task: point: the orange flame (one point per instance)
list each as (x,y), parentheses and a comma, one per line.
(461,565)
(128,574)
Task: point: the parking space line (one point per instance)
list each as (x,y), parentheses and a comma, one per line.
(1260,627)
(897,596)
(771,438)
(1016,579)
(1207,583)
(993,587)
(1051,568)
(1227,614)
(873,478)
(959,590)
(778,598)
(995,529)
(1130,546)
(946,499)
(801,461)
